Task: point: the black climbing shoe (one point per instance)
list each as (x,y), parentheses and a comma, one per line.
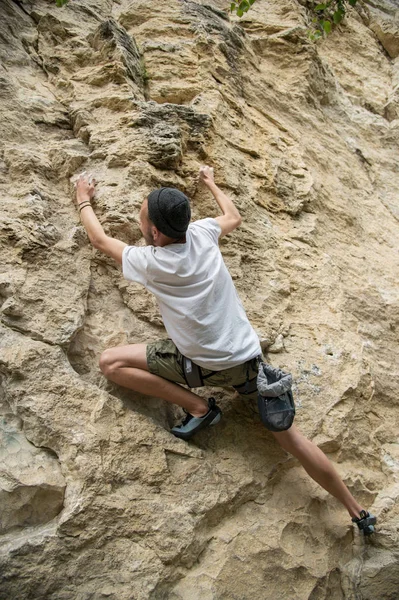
(191,425)
(366,522)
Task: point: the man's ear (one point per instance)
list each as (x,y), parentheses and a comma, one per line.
(155,232)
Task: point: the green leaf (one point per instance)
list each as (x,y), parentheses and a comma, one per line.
(352,2)
(327,26)
(251,2)
(320,7)
(232,6)
(244,6)
(239,12)
(338,16)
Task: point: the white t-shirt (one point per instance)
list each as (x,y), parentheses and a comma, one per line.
(199,304)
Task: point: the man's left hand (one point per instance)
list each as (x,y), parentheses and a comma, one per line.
(85,187)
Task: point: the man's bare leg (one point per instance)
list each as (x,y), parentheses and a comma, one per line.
(127,366)
(318,466)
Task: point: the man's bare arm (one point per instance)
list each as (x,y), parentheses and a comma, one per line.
(231,218)
(94,229)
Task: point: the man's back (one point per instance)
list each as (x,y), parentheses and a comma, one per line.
(199,304)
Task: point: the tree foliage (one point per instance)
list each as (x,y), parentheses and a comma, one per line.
(326,15)
(242,7)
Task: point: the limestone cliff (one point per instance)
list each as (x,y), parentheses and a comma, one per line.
(98,500)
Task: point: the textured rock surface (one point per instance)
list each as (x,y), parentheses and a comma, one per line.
(305,140)
(31,485)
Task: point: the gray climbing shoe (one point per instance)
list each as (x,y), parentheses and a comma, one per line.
(366,522)
(191,425)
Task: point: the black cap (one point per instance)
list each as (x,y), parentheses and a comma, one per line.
(169,210)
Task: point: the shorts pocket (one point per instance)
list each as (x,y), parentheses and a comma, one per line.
(165,360)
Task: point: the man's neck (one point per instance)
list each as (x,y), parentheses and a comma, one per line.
(170,241)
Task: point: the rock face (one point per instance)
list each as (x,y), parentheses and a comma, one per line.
(32,487)
(97,498)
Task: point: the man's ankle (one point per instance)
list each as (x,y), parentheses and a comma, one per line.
(355,510)
(201,412)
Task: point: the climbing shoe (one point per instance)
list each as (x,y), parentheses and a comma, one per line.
(366,522)
(191,425)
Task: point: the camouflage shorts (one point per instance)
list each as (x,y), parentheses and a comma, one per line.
(165,360)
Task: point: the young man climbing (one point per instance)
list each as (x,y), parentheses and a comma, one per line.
(211,340)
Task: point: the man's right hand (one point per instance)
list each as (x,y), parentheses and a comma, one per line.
(231,217)
(206,174)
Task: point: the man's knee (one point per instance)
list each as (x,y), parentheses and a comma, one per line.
(290,439)
(132,356)
(107,362)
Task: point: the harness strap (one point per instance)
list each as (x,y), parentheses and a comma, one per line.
(192,373)
(194,378)
(249,387)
